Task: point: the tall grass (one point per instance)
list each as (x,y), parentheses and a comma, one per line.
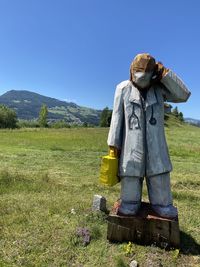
(48,178)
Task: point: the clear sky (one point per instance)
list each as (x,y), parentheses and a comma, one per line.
(79,50)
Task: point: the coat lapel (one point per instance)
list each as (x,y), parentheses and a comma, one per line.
(151,97)
(136,97)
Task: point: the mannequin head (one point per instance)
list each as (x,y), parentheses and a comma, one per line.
(142,69)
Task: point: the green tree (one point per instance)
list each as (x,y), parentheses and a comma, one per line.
(180,116)
(85,124)
(105,117)
(175,111)
(8,117)
(43,116)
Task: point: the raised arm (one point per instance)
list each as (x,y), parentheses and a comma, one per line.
(174,90)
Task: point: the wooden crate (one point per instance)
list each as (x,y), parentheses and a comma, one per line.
(145,228)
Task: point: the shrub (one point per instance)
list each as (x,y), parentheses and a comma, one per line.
(8,117)
(28,124)
(60,124)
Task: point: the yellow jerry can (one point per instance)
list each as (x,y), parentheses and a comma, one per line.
(109,169)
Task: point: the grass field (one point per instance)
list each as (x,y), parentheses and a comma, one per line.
(48,179)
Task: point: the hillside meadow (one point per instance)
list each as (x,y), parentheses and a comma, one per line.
(48,178)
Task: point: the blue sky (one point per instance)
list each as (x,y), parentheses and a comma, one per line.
(79,50)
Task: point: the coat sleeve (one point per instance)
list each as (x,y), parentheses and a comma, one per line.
(117,121)
(174,89)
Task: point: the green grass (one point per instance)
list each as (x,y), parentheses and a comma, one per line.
(45,173)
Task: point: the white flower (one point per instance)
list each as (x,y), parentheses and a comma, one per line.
(73,211)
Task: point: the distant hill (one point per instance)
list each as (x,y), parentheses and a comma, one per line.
(27,106)
(193,121)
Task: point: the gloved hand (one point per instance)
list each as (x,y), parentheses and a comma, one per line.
(161,69)
(115,151)
(159,72)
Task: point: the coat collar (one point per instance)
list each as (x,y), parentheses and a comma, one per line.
(136,97)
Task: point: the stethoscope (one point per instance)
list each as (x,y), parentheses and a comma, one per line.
(152,120)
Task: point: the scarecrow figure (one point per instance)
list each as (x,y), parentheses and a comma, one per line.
(137,134)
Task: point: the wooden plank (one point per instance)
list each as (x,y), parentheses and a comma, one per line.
(145,228)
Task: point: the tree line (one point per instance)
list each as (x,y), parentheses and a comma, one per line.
(8,117)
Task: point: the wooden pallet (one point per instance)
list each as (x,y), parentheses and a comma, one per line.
(145,228)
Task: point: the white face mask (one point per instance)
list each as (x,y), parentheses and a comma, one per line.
(142,79)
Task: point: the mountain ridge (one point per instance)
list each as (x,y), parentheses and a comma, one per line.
(193,121)
(27,105)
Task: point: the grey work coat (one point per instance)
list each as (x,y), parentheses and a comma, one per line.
(143,145)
